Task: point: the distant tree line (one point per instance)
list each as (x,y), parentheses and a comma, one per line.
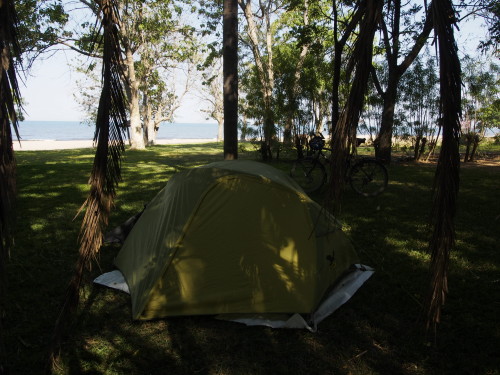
(293,66)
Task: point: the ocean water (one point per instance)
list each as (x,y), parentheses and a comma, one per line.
(74,130)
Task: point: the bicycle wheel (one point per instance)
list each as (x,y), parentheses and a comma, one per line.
(368,177)
(309,173)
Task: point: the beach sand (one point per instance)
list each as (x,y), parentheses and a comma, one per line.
(66,145)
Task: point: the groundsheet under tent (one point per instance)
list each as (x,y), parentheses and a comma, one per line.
(339,295)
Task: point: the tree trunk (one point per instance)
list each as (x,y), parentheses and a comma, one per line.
(244,129)
(416,148)
(152,122)
(383,142)
(434,144)
(468,140)
(475,143)
(265,73)
(422,148)
(319,115)
(337,60)
(287,131)
(136,136)
(150,131)
(220,128)
(146,116)
(230,73)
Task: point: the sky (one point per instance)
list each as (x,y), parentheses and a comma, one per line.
(49,91)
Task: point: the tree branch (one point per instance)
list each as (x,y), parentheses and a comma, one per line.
(419,43)
(386,39)
(76,49)
(377,82)
(351,25)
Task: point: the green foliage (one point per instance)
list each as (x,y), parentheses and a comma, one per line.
(301,69)
(309,106)
(159,47)
(481,95)
(419,94)
(489,12)
(490,115)
(41,25)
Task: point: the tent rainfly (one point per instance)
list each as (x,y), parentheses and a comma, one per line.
(241,239)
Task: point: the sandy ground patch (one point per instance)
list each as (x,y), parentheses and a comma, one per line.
(66,145)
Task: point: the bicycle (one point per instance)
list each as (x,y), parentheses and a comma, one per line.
(367,176)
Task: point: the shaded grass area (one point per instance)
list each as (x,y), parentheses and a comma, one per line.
(378,332)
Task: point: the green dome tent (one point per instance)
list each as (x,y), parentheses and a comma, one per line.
(233,237)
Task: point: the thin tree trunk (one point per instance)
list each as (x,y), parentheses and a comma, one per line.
(422,148)
(150,130)
(360,61)
(448,169)
(468,140)
(147,118)
(230,73)
(416,148)
(265,73)
(287,133)
(383,143)
(244,129)
(220,129)
(475,143)
(136,133)
(337,59)
(434,144)
(288,130)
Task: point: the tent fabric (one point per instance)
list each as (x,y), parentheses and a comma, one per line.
(335,298)
(340,294)
(232,237)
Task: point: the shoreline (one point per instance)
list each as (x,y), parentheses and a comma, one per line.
(49,145)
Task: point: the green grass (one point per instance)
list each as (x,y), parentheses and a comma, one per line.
(379,331)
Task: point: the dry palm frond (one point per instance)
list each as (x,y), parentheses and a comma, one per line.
(9,97)
(447,174)
(105,175)
(360,62)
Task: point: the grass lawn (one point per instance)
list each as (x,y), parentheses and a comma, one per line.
(379,331)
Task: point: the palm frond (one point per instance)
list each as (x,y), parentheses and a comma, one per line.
(360,62)
(9,97)
(106,171)
(446,180)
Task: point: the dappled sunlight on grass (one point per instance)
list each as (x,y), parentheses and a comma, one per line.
(39,226)
(378,331)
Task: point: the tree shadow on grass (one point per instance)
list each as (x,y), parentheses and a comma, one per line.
(392,236)
(377,331)
(107,341)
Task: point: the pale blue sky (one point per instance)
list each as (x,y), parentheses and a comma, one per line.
(49,91)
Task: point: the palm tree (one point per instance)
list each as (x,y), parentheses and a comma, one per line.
(9,97)
(106,171)
(447,173)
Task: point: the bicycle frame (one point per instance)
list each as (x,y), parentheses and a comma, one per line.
(367,176)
